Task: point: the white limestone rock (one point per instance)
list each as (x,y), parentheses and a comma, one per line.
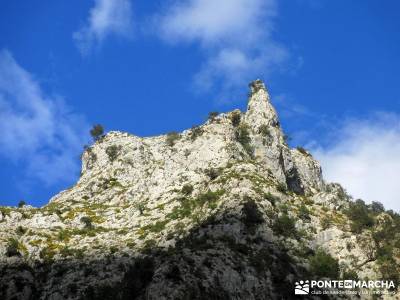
(201,208)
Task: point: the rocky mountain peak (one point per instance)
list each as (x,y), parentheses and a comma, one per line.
(224,210)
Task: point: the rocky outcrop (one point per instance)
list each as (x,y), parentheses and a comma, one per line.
(225,210)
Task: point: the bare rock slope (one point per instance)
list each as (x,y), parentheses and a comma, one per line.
(225,210)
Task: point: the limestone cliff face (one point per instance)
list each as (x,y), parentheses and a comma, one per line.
(268,138)
(195,215)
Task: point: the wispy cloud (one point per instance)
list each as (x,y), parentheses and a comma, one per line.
(38,132)
(289,108)
(300,123)
(364,156)
(107,17)
(212,22)
(236,37)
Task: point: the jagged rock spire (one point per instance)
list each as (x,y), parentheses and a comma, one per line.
(259,109)
(268,141)
(262,117)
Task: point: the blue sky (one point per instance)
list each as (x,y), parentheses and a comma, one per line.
(149,67)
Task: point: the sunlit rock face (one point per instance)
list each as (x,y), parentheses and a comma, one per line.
(225,210)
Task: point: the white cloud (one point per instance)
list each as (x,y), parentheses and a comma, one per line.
(37,130)
(235,36)
(364,157)
(210,21)
(236,67)
(107,17)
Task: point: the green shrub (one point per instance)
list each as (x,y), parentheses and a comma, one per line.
(377,207)
(243,137)
(5,211)
(326,222)
(87,222)
(13,248)
(304,213)
(281,187)
(212,173)
(113,152)
(212,115)
(66,251)
(360,216)
(209,197)
(303,151)
(235,118)
(21,230)
(187,189)
(385,233)
(156,227)
(284,208)
(108,183)
(342,194)
(284,225)
(141,207)
(256,86)
(79,253)
(384,252)
(47,254)
(264,130)
(322,264)
(185,209)
(92,157)
(63,235)
(195,132)
(21,203)
(271,198)
(390,270)
(97,132)
(171,138)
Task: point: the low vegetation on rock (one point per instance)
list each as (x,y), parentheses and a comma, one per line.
(97,132)
(171,138)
